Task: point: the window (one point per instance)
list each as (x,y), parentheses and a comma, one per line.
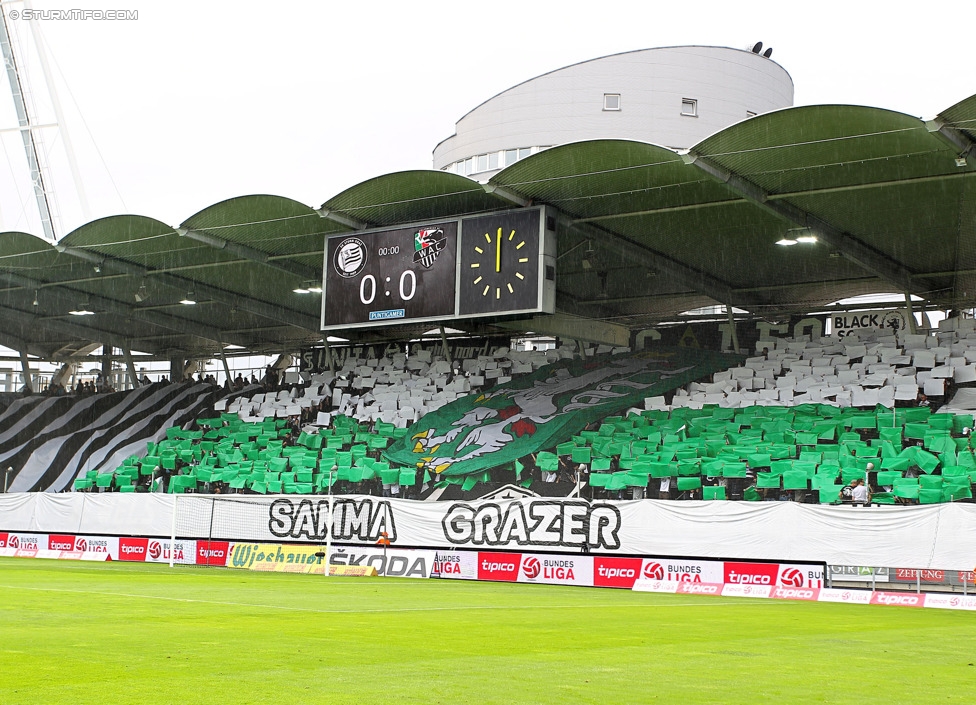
(493,160)
(469,166)
(511,156)
(611,101)
(524,152)
(482,162)
(689,107)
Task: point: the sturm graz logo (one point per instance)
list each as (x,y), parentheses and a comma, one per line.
(350,257)
(895,320)
(427,244)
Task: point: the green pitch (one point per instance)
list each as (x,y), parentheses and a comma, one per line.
(77,633)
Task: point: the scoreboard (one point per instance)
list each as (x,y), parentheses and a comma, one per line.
(491,265)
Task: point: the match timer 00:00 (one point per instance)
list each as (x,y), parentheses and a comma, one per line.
(390,276)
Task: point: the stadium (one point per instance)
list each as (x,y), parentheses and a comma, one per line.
(611,340)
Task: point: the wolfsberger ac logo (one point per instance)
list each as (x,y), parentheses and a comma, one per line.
(533,523)
(352,519)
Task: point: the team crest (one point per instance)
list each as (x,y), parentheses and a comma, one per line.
(428,244)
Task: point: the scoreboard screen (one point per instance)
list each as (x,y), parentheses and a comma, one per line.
(390,276)
(497,264)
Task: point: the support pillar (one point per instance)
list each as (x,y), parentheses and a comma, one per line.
(176,365)
(25,362)
(223,359)
(106,365)
(328,354)
(447,355)
(735,335)
(911,313)
(133,377)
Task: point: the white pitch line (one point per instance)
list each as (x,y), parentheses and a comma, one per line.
(375,611)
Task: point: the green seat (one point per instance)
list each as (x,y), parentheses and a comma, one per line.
(104,479)
(547,462)
(82,484)
(391,476)
(686,484)
(906,490)
(617,481)
(735,470)
(768,481)
(830,494)
(888,477)
(955,492)
(378,442)
(930,482)
(582,455)
(715,492)
(795,480)
(408,478)
(930,496)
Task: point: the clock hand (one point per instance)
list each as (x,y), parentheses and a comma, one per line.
(498,251)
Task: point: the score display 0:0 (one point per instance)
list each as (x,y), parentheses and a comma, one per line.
(371,280)
(383,251)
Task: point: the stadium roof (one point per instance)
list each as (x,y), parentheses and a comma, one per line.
(645,234)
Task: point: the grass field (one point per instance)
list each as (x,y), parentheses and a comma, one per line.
(141,633)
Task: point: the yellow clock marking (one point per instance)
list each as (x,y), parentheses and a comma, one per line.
(523,259)
(475,265)
(520,245)
(479,250)
(488,238)
(478,280)
(510,289)
(498,292)
(519,275)
(511,235)
(485,292)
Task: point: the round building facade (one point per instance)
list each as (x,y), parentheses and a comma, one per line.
(671,96)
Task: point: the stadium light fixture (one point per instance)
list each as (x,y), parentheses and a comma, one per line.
(309,287)
(189,300)
(82,310)
(142,293)
(807,239)
(786,242)
(961,162)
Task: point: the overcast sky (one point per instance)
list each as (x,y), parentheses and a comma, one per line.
(193,103)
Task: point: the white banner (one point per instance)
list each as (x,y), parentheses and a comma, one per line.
(934,536)
(892,320)
(390,562)
(556,570)
(456,565)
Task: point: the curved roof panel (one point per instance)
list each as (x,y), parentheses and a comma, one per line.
(821,146)
(412,196)
(643,233)
(962,116)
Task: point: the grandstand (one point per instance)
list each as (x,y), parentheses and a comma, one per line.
(402,299)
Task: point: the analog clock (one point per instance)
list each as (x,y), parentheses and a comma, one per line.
(500,260)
